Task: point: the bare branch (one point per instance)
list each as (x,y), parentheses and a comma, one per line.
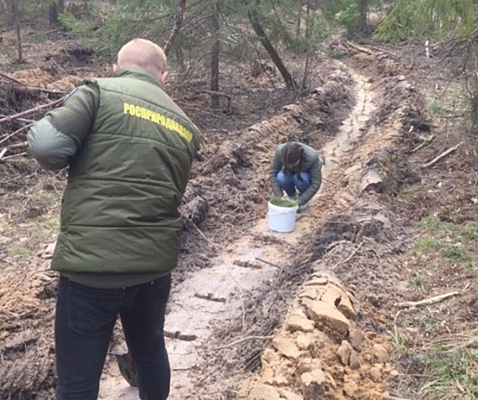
(426,302)
(23,128)
(442,155)
(31,110)
(178,21)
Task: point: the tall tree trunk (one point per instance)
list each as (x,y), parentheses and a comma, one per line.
(299,19)
(18,33)
(363,8)
(178,21)
(10,6)
(215,49)
(179,53)
(307,38)
(255,20)
(55,10)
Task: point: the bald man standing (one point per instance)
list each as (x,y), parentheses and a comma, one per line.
(129,149)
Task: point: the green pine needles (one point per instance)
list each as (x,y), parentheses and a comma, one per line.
(427,19)
(279,202)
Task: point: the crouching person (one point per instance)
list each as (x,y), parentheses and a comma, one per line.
(296,169)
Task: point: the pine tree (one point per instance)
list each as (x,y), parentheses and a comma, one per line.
(424,19)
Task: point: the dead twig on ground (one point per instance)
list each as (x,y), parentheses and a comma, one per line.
(329,181)
(350,256)
(245,339)
(57,65)
(359,48)
(29,121)
(18,145)
(442,155)
(31,110)
(431,300)
(216,246)
(268,263)
(279,267)
(36,90)
(11,79)
(24,178)
(23,88)
(2,153)
(15,155)
(13,146)
(426,142)
(210,297)
(372,248)
(246,264)
(395,398)
(335,244)
(15,133)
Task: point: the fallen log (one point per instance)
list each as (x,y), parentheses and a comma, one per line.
(360,48)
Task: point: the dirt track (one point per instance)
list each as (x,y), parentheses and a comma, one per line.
(257,315)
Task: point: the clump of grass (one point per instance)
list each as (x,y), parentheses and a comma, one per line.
(336,54)
(435,107)
(427,242)
(456,253)
(415,282)
(399,340)
(433,223)
(451,373)
(47,199)
(471,231)
(447,363)
(279,202)
(450,239)
(428,323)
(19,250)
(36,37)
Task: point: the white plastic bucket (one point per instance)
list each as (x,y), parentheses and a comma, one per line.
(281,219)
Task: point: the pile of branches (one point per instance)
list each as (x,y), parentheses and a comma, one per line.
(20,108)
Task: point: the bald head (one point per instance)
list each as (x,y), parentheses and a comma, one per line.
(144,54)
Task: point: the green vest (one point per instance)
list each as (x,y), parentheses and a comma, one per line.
(125,184)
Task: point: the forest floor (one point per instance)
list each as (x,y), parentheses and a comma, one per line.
(371,297)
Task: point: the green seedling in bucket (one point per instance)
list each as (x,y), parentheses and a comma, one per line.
(279,202)
(281,215)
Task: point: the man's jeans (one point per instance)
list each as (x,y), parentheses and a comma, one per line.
(290,182)
(84,322)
